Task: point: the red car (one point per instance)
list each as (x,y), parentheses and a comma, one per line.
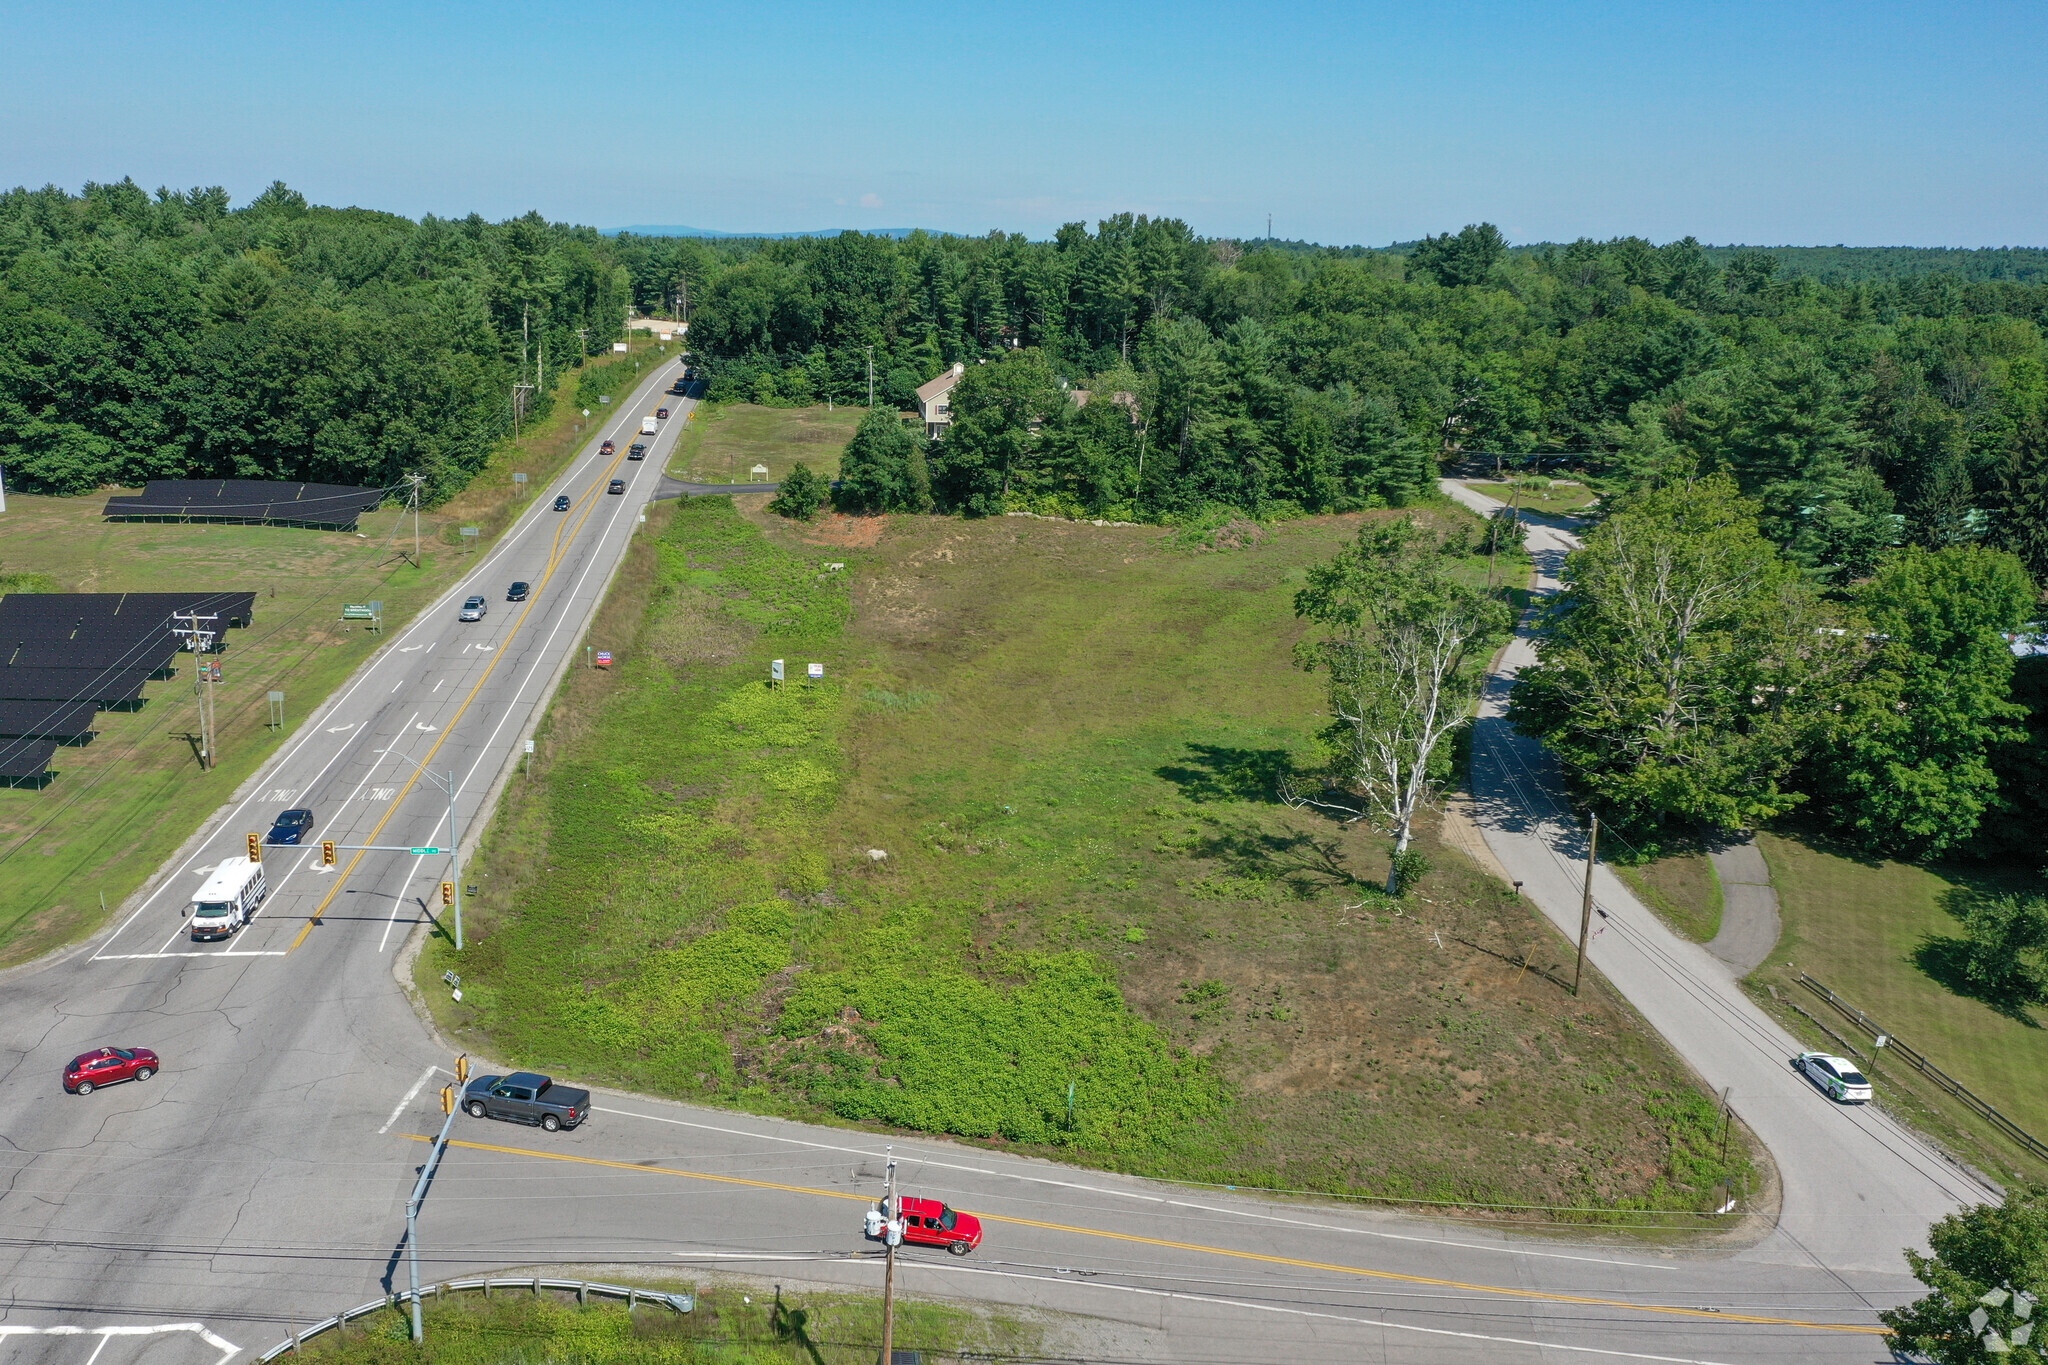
(927,1222)
(606,448)
(109,1064)
(661,413)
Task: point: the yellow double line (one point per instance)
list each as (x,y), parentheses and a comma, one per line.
(556,553)
(1506,1291)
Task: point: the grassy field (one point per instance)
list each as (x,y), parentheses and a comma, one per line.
(787,1325)
(726,440)
(1022,842)
(121,804)
(1873,931)
(1683,891)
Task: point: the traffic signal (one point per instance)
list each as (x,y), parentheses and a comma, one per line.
(327,853)
(462,1068)
(255,848)
(447,1099)
(447,893)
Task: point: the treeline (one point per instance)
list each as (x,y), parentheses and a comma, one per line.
(172,336)
(1863,415)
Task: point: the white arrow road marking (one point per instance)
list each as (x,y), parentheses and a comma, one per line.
(228,1350)
(424,726)
(410,648)
(337,729)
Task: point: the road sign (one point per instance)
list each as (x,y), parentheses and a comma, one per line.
(604,658)
(775,671)
(816,670)
(425,850)
(357,611)
(521,478)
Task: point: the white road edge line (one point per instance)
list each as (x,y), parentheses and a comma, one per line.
(425,1076)
(228,1350)
(1147,1198)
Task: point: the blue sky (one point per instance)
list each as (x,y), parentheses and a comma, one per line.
(1866,124)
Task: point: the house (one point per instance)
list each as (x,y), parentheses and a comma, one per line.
(933,404)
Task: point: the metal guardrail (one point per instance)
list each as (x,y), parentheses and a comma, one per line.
(583,1289)
(1918,1061)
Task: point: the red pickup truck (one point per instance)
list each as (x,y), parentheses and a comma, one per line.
(927,1222)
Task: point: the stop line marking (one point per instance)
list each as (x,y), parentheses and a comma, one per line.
(228,1350)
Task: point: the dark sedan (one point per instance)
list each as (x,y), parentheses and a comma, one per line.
(104,1066)
(516,593)
(289,827)
(562,503)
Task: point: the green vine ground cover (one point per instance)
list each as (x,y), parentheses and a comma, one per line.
(1066,740)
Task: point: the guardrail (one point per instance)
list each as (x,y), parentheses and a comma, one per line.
(1918,1061)
(583,1289)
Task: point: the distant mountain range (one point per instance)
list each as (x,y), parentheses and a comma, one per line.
(675,230)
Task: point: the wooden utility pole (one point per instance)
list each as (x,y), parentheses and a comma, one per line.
(892,1233)
(1586,901)
(201,639)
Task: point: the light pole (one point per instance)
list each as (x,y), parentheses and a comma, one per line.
(454,836)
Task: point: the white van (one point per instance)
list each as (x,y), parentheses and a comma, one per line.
(227,899)
(649,425)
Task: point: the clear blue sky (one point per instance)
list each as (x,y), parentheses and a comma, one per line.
(1776,123)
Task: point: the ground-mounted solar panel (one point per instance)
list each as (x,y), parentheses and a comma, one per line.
(154,652)
(115,619)
(26,762)
(109,687)
(322,506)
(66,722)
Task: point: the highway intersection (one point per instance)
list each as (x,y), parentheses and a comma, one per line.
(259,1182)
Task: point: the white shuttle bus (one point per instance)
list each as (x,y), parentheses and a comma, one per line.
(227,899)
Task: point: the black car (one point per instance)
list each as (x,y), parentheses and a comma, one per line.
(562,503)
(636,451)
(516,593)
(290,827)
(524,1097)
(616,486)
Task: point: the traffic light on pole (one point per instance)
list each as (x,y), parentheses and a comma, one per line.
(462,1068)
(327,853)
(255,848)
(447,893)
(447,1099)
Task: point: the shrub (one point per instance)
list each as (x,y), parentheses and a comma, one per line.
(801,494)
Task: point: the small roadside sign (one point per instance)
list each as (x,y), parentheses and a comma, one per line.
(619,347)
(817,670)
(775,671)
(604,658)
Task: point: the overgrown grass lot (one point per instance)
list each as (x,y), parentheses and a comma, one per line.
(124,802)
(791,1326)
(1681,889)
(1883,935)
(1538,494)
(726,440)
(1022,837)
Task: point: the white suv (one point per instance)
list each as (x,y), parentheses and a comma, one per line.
(474,609)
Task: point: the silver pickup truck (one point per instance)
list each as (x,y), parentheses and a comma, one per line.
(525,1097)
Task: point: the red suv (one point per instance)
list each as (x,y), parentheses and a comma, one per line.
(109,1064)
(927,1222)
(606,448)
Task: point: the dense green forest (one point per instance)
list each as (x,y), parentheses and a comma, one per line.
(169,336)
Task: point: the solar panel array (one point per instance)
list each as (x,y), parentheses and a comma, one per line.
(324,506)
(65,655)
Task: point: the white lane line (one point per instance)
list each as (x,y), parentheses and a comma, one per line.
(399,903)
(425,1076)
(1142,1198)
(141,957)
(395,686)
(437,685)
(228,1350)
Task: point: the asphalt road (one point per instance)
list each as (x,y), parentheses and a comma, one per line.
(1858,1187)
(261,1179)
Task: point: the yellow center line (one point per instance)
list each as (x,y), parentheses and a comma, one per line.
(556,554)
(1506,1291)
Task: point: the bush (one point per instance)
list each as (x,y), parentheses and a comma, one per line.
(801,494)
(2007,955)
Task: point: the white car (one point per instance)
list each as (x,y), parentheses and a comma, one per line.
(1837,1077)
(474,609)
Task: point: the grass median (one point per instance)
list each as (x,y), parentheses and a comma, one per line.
(1021,848)
(123,803)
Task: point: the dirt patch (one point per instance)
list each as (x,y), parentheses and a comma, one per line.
(853,533)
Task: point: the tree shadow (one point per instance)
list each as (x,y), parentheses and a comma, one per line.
(790,1324)
(1303,861)
(1945,959)
(1218,772)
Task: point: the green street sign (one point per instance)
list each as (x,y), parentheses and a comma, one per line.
(423,850)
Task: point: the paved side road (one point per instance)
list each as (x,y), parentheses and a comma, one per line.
(1858,1187)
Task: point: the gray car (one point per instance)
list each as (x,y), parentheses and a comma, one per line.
(474,609)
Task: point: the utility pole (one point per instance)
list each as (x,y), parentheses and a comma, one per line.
(200,638)
(455,858)
(417,480)
(1586,901)
(892,1233)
